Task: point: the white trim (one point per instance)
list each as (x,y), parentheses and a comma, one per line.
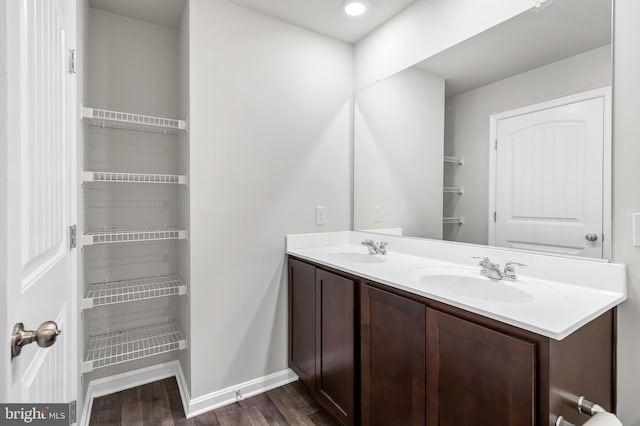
(227,396)
(131,379)
(192,407)
(603,92)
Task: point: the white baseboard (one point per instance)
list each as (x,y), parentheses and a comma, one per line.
(192,407)
(227,396)
(128,380)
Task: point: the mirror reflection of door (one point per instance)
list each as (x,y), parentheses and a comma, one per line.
(548,175)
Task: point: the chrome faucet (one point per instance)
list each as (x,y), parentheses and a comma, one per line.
(492,270)
(376,247)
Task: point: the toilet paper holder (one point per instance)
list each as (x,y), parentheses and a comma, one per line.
(584,406)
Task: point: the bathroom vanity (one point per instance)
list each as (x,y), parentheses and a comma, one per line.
(379,340)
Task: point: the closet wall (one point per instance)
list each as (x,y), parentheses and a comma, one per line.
(134,67)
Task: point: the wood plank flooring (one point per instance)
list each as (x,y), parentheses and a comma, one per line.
(159,403)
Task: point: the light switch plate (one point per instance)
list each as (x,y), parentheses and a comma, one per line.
(635,226)
(377,214)
(321,215)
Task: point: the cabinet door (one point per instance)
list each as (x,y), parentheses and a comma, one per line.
(335,345)
(477,376)
(393,366)
(302,321)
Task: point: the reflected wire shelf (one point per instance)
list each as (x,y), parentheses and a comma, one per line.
(127,236)
(118,177)
(128,121)
(453,190)
(135,343)
(123,291)
(453,220)
(454,160)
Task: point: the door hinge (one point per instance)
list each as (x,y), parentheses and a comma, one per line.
(496,144)
(73,236)
(72,412)
(495,216)
(72,61)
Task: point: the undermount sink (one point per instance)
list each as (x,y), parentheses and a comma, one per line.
(357,257)
(467,284)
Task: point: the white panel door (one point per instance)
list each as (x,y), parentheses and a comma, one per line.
(549,178)
(38,271)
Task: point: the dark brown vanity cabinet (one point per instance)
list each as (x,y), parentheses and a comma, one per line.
(302,321)
(322,336)
(477,376)
(393,354)
(416,361)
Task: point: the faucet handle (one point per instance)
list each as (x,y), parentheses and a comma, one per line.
(483,260)
(510,269)
(367,242)
(382,247)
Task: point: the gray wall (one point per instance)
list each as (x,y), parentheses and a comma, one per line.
(626,199)
(399,129)
(270,140)
(467,129)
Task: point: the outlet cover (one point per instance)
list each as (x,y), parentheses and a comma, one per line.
(321,215)
(377,214)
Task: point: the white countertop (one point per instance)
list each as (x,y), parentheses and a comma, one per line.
(535,301)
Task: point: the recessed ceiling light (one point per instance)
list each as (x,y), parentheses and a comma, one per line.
(355,7)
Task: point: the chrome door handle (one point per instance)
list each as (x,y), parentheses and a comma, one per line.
(44,336)
(592,236)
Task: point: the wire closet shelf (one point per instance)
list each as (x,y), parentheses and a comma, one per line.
(128,236)
(127,345)
(123,291)
(130,121)
(120,177)
(453,220)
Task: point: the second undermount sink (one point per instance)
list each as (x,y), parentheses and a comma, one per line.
(468,284)
(353,257)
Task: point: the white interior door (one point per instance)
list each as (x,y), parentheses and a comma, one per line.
(550,176)
(37,268)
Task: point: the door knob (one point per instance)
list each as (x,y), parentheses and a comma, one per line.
(44,336)
(592,236)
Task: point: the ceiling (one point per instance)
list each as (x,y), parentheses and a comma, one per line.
(160,12)
(326,16)
(322,16)
(535,38)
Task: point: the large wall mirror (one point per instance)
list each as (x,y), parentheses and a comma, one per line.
(503,139)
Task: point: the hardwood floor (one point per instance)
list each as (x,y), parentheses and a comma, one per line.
(159,403)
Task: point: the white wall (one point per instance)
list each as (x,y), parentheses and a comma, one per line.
(467,129)
(626,199)
(398,148)
(423,29)
(184,303)
(270,139)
